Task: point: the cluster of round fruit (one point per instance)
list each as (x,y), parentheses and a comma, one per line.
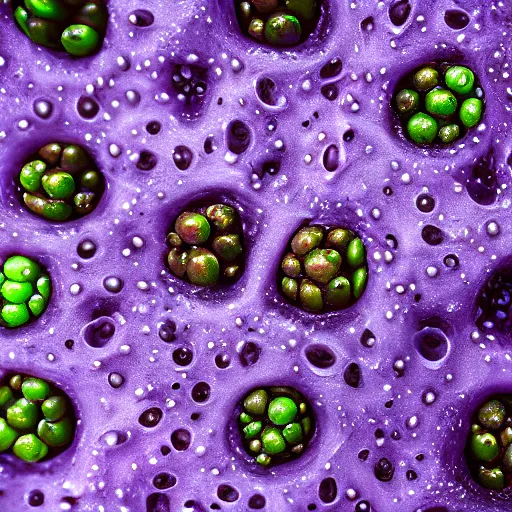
(278,22)
(36,419)
(276,424)
(325,270)
(207,245)
(489,447)
(25,291)
(76,26)
(61,182)
(439,103)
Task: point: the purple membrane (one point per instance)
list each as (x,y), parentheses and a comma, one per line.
(423,364)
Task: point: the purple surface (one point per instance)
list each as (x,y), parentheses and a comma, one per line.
(143,204)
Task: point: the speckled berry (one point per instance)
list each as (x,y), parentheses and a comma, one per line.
(306,240)
(492,414)
(283,30)
(426,78)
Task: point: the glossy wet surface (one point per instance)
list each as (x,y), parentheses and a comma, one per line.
(128,342)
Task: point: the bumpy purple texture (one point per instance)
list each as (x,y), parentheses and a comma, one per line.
(400,295)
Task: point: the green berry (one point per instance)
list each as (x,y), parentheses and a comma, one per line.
(15,382)
(80,40)
(310,296)
(322,265)
(256,29)
(245,13)
(203,267)
(177,261)
(484,446)
(21,269)
(507,459)
(359,280)
(21,16)
(306,240)
(23,414)
(263,459)
(94,15)
(407,101)
(29,448)
(15,315)
(338,292)
(74,159)
(59,185)
(255,445)
(291,265)
(282,410)
(7,435)
(339,239)
(505,436)
(471,112)
(306,425)
(441,102)
(460,79)
(422,128)
(90,179)
(293,433)
(54,408)
(15,292)
(256,402)
(52,210)
(356,253)
(84,202)
(193,228)
(253,429)
(44,32)
(273,441)
(47,9)
(290,288)
(5,395)
(221,215)
(51,153)
(492,478)
(305,9)
(56,434)
(36,304)
(245,418)
(492,414)
(426,79)
(227,247)
(35,389)
(44,286)
(31,175)
(174,240)
(231,272)
(283,30)
(449,133)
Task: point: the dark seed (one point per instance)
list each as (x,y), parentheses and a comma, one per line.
(411,475)
(180,439)
(222,361)
(349,135)
(332,158)
(167,331)
(182,157)
(153,127)
(425,203)
(384,470)
(267,91)
(35,498)
(147,161)
(330,92)
(257,502)
(201,392)
(432,235)
(328,490)
(150,418)
(368,338)
(456,19)
(158,502)
(363,455)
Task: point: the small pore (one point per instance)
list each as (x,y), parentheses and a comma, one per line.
(141,18)
(331,158)
(399,11)
(320,356)
(99,332)
(250,354)
(456,19)
(328,490)
(238,137)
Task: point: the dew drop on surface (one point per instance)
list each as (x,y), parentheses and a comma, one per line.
(180,439)
(116,380)
(114,438)
(43,108)
(182,356)
(425,203)
(87,107)
(451,261)
(158,502)
(113,284)
(86,249)
(222,361)
(238,137)
(456,19)
(182,157)
(363,506)
(250,354)
(151,417)
(320,356)
(328,490)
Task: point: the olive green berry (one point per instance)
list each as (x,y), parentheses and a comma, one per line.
(310,296)
(407,101)
(492,414)
(322,265)
(306,240)
(291,265)
(32,174)
(256,402)
(426,79)
(202,267)
(193,228)
(283,30)
(290,288)
(227,247)
(449,133)
(338,292)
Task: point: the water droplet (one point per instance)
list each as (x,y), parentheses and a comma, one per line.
(113,284)
(87,107)
(86,249)
(115,380)
(182,157)
(43,108)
